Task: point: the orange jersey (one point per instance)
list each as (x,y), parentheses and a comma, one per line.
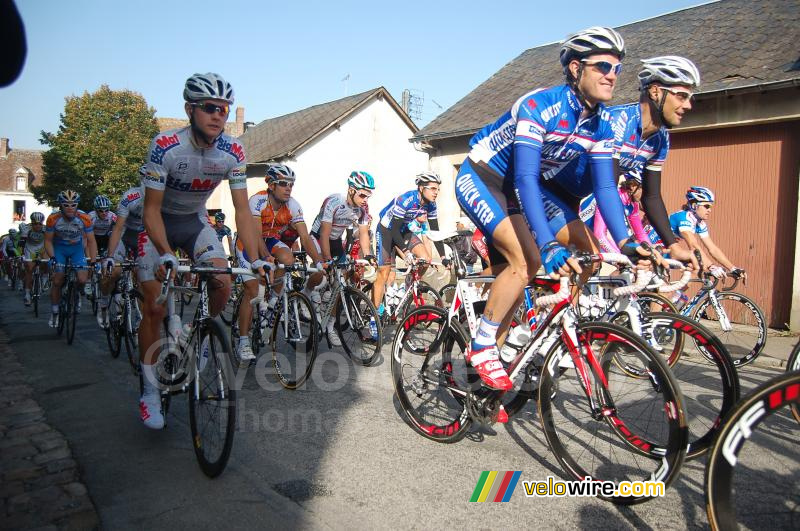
(275,223)
(69,231)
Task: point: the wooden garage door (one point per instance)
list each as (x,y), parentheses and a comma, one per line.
(753,170)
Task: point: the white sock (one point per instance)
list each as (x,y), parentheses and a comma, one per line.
(149,379)
(244,340)
(487,333)
(54,308)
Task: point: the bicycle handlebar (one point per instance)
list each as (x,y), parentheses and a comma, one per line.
(561,295)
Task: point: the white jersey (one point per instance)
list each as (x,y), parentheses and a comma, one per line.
(131,207)
(188,174)
(103,227)
(340,215)
(32,238)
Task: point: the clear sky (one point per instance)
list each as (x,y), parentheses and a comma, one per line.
(281,56)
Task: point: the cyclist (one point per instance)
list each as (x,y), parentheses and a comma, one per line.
(630,192)
(527,162)
(281,220)
(223,231)
(641,139)
(393,229)
(338,213)
(691,225)
(33,249)
(184,167)
(122,243)
(11,249)
(103,220)
(67,232)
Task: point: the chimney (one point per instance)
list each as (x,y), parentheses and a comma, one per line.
(4,149)
(239,121)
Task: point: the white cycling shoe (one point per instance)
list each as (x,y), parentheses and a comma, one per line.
(150,410)
(333,337)
(245,354)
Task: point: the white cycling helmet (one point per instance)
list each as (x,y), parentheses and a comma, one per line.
(427,177)
(280,172)
(669,70)
(700,194)
(597,39)
(208,86)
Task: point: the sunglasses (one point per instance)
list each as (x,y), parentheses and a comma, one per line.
(707,206)
(362,194)
(290,184)
(102,210)
(682,95)
(431,188)
(211,108)
(69,205)
(604,67)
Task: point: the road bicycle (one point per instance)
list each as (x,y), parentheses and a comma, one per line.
(195,359)
(124,316)
(68,306)
(752,476)
(39,283)
(412,293)
(598,420)
(733,317)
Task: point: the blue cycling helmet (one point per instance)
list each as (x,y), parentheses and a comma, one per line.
(37,217)
(280,172)
(101,202)
(361,180)
(68,196)
(699,194)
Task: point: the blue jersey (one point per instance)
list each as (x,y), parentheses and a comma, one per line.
(407,207)
(543,137)
(687,221)
(632,152)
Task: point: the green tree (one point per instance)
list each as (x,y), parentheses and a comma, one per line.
(100,144)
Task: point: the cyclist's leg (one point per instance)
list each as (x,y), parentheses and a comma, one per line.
(250,291)
(384,250)
(568,227)
(200,241)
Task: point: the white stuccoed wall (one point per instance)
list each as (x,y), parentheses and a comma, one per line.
(375,140)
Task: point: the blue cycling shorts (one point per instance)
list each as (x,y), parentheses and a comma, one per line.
(72,252)
(482,198)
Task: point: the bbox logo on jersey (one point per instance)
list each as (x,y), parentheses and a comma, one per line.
(502,137)
(163,144)
(551,111)
(231,148)
(470,195)
(130,198)
(197,185)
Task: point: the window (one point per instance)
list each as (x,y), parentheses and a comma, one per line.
(19,211)
(21,181)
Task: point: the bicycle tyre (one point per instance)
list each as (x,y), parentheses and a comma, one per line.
(743,351)
(627,431)
(793,364)
(442,379)
(130,329)
(447,292)
(708,396)
(72,309)
(113,332)
(293,370)
(213,388)
(361,311)
(738,428)
(37,285)
(95,289)
(62,312)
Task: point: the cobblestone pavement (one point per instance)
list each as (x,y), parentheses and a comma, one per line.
(41,485)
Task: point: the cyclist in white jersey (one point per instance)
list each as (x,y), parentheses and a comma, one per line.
(121,244)
(184,167)
(33,249)
(103,220)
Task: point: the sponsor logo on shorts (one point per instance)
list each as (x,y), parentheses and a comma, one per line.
(471,196)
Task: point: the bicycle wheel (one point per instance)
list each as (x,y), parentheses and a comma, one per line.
(655,302)
(37,286)
(353,326)
(62,312)
(446,293)
(212,400)
(72,312)
(636,429)
(793,364)
(95,296)
(753,472)
(431,379)
(705,373)
(114,332)
(294,341)
(132,316)
(744,332)
(430,297)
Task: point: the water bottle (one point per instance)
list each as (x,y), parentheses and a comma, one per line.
(268,315)
(186,332)
(373,328)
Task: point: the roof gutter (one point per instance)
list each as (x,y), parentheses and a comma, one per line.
(755,87)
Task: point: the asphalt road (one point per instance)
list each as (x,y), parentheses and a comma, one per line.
(334,455)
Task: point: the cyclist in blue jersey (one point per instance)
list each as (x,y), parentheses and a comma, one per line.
(66,232)
(524,164)
(641,134)
(393,232)
(691,225)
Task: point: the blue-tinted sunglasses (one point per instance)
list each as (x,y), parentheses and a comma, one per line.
(604,66)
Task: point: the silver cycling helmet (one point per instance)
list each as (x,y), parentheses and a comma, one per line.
(208,86)
(597,39)
(427,177)
(669,70)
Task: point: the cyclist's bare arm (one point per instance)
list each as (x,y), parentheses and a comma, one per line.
(48,243)
(116,235)
(717,253)
(693,241)
(325,239)
(305,241)
(91,246)
(363,238)
(248,230)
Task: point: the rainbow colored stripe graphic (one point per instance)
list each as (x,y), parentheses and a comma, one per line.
(495,486)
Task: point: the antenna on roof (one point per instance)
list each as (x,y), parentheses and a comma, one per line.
(413,101)
(345,79)
(437,104)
